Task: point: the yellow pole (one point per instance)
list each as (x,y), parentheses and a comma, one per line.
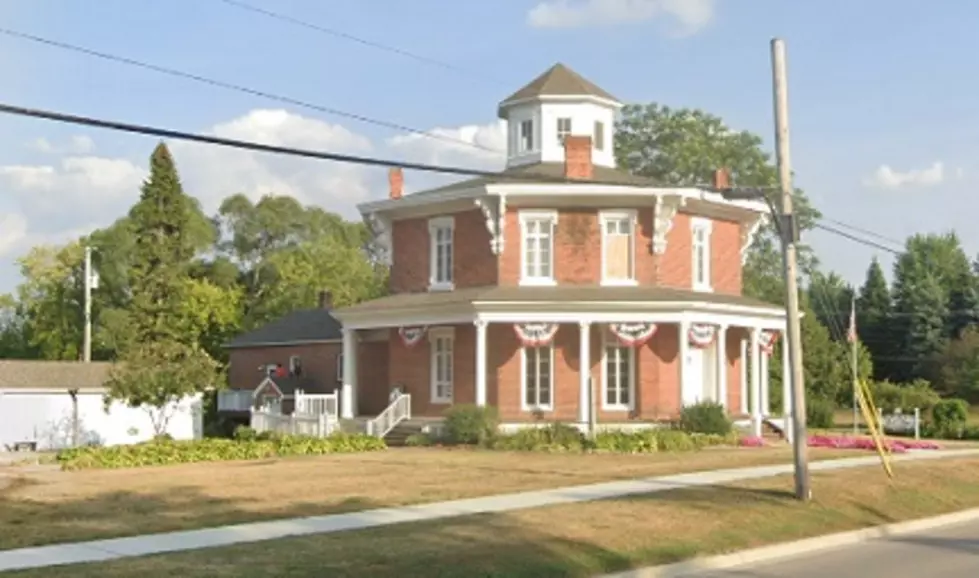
(870,415)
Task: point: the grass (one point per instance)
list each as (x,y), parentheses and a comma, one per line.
(583,539)
(54,506)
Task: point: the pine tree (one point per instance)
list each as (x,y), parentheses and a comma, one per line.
(874,316)
(920,315)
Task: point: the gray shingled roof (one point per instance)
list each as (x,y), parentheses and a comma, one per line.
(307,325)
(35,374)
(560,293)
(524,174)
(289,384)
(558,80)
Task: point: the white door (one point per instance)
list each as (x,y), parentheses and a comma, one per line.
(693,376)
(708,390)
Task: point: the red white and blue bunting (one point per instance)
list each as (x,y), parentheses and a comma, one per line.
(633,334)
(766,341)
(535,334)
(701,335)
(411,335)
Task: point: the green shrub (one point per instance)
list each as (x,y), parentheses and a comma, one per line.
(658,440)
(553,437)
(889,396)
(244,433)
(213,449)
(420,440)
(950,417)
(820,413)
(470,424)
(706,418)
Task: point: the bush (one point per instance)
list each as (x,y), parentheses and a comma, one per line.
(889,396)
(659,440)
(213,449)
(950,417)
(706,418)
(420,440)
(553,437)
(470,424)
(820,413)
(244,433)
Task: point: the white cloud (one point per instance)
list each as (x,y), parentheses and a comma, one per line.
(690,15)
(78,144)
(886,177)
(13,230)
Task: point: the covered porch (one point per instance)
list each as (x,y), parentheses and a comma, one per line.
(632,357)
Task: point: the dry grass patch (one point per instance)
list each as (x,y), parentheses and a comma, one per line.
(583,539)
(63,507)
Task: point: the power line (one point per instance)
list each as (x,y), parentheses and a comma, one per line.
(253,146)
(347,36)
(237,88)
(867,232)
(856,239)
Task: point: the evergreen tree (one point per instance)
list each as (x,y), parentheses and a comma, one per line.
(874,316)
(920,314)
(164,360)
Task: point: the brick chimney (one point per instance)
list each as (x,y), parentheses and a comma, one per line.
(577,157)
(722,179)
(396,183)
(326,300)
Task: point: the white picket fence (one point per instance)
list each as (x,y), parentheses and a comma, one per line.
(317,404)
(320,425)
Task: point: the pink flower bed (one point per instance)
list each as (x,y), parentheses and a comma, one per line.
(864,443)
(751,442)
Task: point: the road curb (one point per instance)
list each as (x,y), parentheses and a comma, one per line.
(790,549)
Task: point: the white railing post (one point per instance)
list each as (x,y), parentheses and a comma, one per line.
(917,423)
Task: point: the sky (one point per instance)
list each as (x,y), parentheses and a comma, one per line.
(883,112)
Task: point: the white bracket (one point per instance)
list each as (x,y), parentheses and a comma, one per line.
(749,233)
(495,217)
(663,214)
(380,229)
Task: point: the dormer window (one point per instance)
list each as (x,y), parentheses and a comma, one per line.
(526,136)
(563,129)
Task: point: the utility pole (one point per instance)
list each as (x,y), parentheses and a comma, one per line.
(87,345)
(790,233)
(851,336)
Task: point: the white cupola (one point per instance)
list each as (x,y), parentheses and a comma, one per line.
(555,104)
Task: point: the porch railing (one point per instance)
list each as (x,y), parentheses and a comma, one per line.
(234,400)
(317,404)
(397,412)
(320,425)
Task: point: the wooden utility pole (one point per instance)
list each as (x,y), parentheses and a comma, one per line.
(790,234)
(87,343)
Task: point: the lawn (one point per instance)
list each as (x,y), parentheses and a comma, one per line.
(52,507)
(584,539)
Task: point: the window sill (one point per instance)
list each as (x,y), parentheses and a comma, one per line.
(616,408)
(537,282)
(441,401)
(442,287)
(620,283)
(537,408)
(703,288)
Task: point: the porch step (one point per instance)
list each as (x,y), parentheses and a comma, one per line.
(404,430)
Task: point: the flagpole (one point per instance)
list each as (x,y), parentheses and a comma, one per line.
(853,365)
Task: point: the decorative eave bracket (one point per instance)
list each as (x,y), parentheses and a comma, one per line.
(494,212)
(749,232)
(663,214)
(380,229)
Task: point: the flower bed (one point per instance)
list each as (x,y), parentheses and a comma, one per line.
(866,443)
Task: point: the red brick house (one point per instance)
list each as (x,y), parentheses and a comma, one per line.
(564,278)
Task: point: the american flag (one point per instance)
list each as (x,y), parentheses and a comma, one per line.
(851,334)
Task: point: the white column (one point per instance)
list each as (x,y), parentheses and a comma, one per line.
(684,351)
(765,401)
(755,382)
(786,391)
(584,373)
(480,363)
(744,376)
(722,365)
(348,394)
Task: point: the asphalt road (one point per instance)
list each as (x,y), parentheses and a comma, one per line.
(950,552)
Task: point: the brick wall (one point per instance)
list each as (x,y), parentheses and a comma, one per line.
(474,265)
(318,362)
(676,264)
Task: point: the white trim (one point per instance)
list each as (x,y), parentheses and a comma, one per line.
(632,217)
(524,217)
(543,98)
(339,360)
(295,360)
(523,380)
(631,352)
(629,317)
(435,334)
(436,224)
(705,226)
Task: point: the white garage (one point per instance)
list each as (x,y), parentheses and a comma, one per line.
(54,404)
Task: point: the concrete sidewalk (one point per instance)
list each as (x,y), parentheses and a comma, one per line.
(105,550)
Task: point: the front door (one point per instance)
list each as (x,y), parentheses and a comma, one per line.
(693,376)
